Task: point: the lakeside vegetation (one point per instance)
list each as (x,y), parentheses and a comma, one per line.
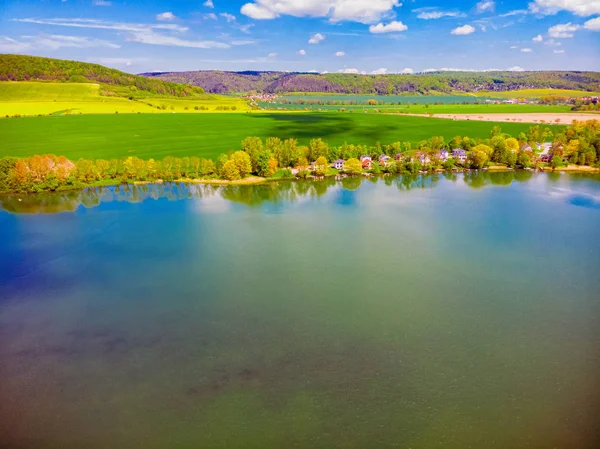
(279,159)
(208,135)
(249,195)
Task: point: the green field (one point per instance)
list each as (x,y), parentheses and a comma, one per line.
(33,98)
(208,135)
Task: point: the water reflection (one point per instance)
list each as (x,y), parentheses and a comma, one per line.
(274,193)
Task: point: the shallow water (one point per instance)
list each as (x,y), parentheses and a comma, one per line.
(454,312)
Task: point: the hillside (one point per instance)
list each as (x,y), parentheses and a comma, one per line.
(435,82)
(114,82)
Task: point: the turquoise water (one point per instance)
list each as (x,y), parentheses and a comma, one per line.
(438,311)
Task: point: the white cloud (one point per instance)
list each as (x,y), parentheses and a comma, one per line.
(577,7)
(112,61)
(340,53)
(485,6)
(407,71)
(8,45)
(559,52)
(563,30)
(516,12)
(392,27)
(166,16)
(381,71)
(526,50)
(514,47)
(316,38)
(552,43)
(229,17)
(272,55)
(153,38)
(211,16)
(354,71)
(209,4)
(103,24)
(51,42)
(434,13)
(510,69)
(244,42)
(538,38)
(463,30)
(102,3)
(363,11)
(593,24)
(301,52)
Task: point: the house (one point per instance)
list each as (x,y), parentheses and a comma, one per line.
(399,156)
(442,155)
(383,159)
(460,155)
(338,164)
(367,162)
(545,147)
(546,158)
(423,158)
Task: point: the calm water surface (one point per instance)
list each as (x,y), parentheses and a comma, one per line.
(433,312)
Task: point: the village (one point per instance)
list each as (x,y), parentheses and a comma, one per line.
(459,156)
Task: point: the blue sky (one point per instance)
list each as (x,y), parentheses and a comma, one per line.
(370,36)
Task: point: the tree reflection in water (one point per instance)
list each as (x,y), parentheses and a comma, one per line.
(249,195)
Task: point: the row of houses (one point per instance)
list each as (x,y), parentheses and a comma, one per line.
(458,154)
(442,155)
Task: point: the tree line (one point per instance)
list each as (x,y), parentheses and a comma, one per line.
(32,68)
(278,158)
(389,84)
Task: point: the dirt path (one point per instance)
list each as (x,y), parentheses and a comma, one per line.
(549,118)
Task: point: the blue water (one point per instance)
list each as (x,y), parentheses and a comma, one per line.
(436,311)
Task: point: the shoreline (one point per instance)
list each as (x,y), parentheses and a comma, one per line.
(255,180)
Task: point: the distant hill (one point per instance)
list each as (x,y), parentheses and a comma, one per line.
(426,83)
(115,82)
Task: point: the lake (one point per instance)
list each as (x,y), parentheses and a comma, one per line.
(448,311)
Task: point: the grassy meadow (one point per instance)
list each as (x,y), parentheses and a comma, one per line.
(210,134)
(34,98)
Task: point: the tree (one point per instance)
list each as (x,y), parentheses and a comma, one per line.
(254,147)
(207,167)
(511,159)
(321,166)
(242,162)
(271,166)
(353,166)
(263,163)
(221,161)
(512,144)
(523,160)
(301,162)
(478,158)
(230,171)
(556,162)
(317,149)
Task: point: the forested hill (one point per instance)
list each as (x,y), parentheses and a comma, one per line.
(34,68)
(434,82)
